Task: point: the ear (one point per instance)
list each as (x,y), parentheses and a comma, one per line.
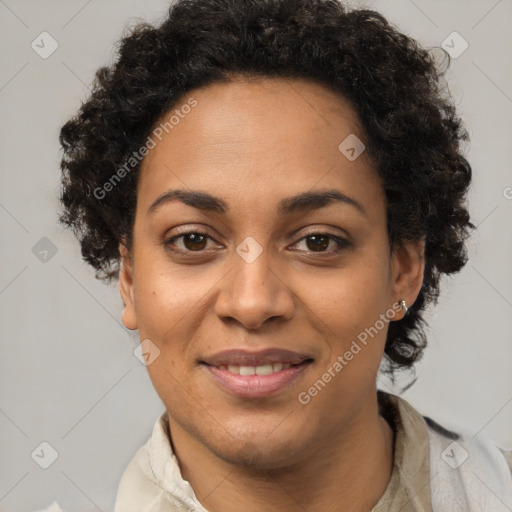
(407,269)
(129,317)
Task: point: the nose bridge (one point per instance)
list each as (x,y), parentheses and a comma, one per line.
(254,275)
(252,292)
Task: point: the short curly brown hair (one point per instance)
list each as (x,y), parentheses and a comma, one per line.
(413,132)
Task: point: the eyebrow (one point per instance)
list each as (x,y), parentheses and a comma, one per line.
(305,201)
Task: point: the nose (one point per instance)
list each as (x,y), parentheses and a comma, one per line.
(253,293)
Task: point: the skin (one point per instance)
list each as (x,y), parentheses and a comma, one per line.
(254,143)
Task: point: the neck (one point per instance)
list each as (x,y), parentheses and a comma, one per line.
(348,469)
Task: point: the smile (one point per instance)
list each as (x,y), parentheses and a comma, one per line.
(258,374)
(265,369)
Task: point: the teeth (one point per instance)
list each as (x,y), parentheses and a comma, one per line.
(262,370)
(265,369)
(243,370)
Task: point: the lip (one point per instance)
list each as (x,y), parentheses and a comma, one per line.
(255,386)
(241,357)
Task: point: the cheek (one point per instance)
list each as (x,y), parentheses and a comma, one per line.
(169,312)
(165,298)
(350,299)
(348,315)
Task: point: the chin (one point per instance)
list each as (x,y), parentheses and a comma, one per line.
(256,451)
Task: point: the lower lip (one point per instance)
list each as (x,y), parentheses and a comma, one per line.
(256,386)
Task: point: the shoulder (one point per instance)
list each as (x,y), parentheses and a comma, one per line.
(139,485)
(457,436)
(152,480)
(450,434)
(469,470)
(508,457)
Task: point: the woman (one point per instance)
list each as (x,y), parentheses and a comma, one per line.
(278,186)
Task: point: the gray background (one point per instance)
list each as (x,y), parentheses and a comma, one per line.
(68,374)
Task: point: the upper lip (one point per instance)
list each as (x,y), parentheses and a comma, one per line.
(241,357)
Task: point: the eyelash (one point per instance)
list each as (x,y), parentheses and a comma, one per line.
(342,242)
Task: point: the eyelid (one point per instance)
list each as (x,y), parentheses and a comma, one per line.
(323,229)
(188,229)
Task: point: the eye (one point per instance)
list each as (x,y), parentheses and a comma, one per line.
(322,242)
(192,241)
(197,241)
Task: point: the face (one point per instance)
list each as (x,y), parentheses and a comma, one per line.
(260,256)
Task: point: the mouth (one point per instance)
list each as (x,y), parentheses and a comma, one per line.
(256,374)
(264,369)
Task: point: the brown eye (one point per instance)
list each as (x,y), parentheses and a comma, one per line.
(194,241)
(317,242)
(322,243)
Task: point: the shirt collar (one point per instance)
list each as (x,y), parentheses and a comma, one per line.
(165,467)
(409,486)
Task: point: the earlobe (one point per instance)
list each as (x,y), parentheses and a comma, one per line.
(129,317)
(407,271)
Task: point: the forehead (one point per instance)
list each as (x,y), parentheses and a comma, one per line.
(269,138)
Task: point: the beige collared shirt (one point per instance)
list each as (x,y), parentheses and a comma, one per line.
(152,481)
(409,487)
